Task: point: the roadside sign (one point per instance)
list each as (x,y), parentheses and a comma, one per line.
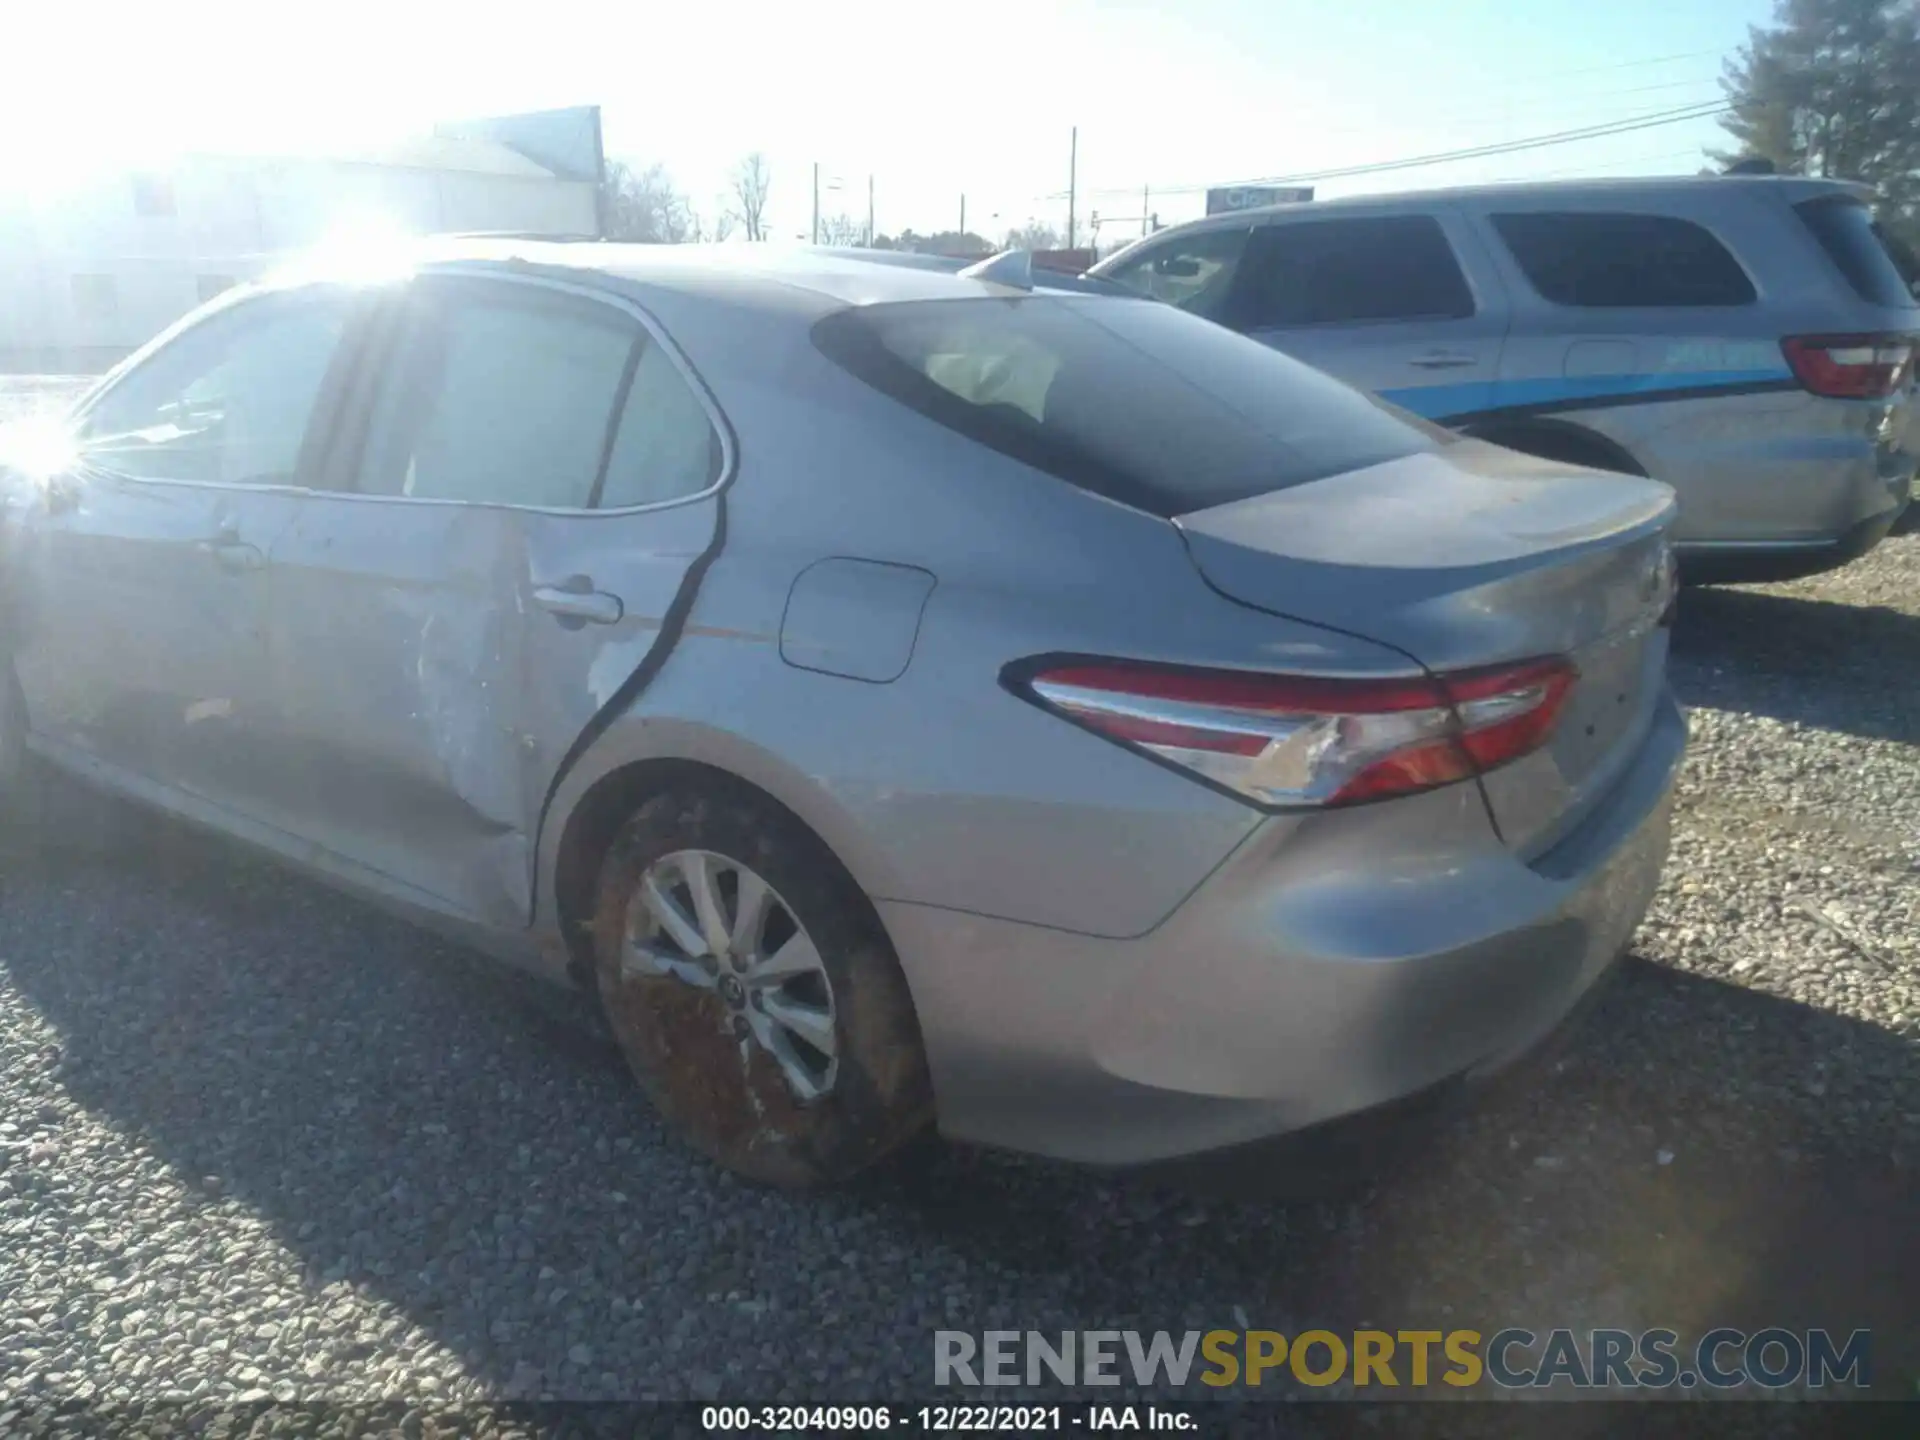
(1252,197)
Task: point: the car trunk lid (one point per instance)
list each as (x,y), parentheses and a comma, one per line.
(1470,556)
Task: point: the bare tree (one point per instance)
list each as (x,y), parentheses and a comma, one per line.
(842,230)
(752,179)
(703,229)
(1034,235)
(646,206)
(946,242)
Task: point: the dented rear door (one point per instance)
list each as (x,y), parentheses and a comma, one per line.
(510,523)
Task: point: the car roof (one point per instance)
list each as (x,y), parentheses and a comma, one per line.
(1616,191)
(816,278)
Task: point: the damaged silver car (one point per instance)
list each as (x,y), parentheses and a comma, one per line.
(902,697)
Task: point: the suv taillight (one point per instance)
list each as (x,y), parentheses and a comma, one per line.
(1286,740)
(1851,367)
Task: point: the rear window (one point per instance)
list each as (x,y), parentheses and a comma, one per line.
(1606,261)
(1136,401)
(1846,231)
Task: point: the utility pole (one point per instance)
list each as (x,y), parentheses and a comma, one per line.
(816,202)
(600,178)
(963,212)
(869,211)
(1146,210)
(1073,176)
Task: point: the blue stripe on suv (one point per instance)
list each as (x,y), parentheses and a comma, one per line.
(1447,402)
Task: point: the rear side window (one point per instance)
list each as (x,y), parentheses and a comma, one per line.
(1140,403)
(1605,261)
(508,394)
(1846,231)
(1332,272)
(666,446)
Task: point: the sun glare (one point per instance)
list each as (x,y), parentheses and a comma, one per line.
(38,447)
(359,249)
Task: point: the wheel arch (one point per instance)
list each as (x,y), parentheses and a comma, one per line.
(616,778)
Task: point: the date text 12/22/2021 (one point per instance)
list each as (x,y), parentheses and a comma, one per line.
(938,1419)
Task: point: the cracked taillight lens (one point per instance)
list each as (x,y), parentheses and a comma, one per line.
(1292,740)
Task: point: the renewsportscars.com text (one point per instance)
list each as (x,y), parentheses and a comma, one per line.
(1513,1358)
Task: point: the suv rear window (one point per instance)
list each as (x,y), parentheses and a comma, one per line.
(1606,260)
(1846,231)
(1129,399)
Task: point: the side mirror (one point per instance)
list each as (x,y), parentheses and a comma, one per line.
(1178,267)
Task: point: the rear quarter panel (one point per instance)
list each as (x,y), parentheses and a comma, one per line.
(939,787)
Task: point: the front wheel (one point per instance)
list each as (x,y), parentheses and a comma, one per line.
(753,991)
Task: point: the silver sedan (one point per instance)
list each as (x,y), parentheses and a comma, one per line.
(904,698)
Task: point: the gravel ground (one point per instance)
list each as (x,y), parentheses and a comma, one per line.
(259,1141)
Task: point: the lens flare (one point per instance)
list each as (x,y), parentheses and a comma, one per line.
(38,447)
(359,250)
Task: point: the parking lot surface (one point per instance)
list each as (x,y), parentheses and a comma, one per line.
(259,1140)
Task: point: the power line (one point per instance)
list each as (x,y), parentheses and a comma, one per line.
(1537,142)
(1629,162)
(1468,117)
(1524,102)
(1531,103)
(1634,64)
(1624,126)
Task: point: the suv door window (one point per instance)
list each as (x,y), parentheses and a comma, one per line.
(1334,272)
(228,400)
(501,394)
(1604,260)
(1193,271)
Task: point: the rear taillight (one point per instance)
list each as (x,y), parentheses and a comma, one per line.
(1286,740)
(1851,367)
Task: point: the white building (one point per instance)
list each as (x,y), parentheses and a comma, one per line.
(90,274)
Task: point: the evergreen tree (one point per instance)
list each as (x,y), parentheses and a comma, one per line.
(1832,88)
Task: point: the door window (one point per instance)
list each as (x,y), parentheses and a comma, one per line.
(1333,272)
(1604,260)
(502,394)
(508,394)
(1193,271)
(228,400)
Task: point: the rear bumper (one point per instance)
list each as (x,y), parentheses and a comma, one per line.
(1337,1156)
(1763,562)
(1773,484)
(1288,991)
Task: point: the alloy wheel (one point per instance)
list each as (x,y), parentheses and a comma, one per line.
(716,925)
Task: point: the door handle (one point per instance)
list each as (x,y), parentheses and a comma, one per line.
(1443,360)
(582,606)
